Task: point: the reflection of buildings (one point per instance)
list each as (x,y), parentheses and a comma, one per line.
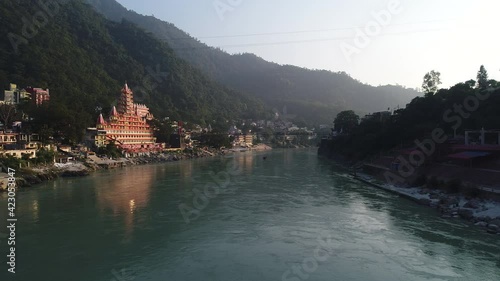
(244,162)
(125,192)
(288,159)
(185,171)
(35,210)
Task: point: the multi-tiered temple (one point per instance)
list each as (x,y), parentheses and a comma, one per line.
(127,126)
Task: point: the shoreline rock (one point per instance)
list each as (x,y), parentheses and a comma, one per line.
(481,213)
(37,175)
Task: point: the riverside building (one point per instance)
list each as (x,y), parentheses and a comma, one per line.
(126,126)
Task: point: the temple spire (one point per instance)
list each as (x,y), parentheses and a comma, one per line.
(100,120)
(126,101)
(114,112)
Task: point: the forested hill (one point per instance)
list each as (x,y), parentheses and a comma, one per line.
(84,59)
(448,110)
(314,94)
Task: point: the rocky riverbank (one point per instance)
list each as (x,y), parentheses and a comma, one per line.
(172,156)
(470,201)
(480,212)
(28,177)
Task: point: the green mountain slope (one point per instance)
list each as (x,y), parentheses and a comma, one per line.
(314,94)
(84,59)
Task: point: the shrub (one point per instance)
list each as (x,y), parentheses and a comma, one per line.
(44,156)
(10,161)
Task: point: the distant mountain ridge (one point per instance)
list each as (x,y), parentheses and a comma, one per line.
(315,95)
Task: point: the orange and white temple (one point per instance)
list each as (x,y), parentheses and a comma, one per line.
(127,126)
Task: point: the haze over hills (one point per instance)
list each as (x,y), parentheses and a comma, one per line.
(315,95)
(84,59)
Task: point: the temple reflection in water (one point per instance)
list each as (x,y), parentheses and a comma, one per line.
(124,193)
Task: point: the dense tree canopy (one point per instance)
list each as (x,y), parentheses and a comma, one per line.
(84,60)
(346,121)
(447,109)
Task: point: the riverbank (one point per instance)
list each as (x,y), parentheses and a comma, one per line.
(480,212)
(456,192)
(28,177)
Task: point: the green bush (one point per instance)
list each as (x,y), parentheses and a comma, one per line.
(111,150)
(44,156)
(10,161)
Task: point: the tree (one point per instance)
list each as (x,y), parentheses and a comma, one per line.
(46,133)
(471,83)
(45,156)
(482,78)
(111,150)
(493,83)
(346,121)
(7,113)
(216,140)
(431,83)
(9,161)
(162,129)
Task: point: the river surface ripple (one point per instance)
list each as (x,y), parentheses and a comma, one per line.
(291,216)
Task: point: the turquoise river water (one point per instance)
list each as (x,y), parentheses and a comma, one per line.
(291,216)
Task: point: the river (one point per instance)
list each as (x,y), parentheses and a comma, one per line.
(290,216)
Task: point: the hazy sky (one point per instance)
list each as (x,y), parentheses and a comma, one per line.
(451,36)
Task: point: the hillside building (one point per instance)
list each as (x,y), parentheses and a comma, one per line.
(19,144)
(127,127)
(15,95)
(38,95)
